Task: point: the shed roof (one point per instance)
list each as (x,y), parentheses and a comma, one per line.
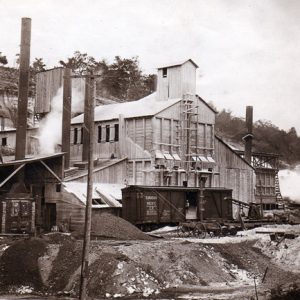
(147,106)
(179,63)
(108,193)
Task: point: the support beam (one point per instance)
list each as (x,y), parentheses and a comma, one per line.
(49,169)
(66,117)
(86,120)
(88,211)
(12,175)
(23,89)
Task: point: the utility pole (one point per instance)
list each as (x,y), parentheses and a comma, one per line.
(86,120)
(90,94)
(66,117)
(23,89)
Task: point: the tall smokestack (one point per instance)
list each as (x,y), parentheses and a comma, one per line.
(23,89)
(66,116)
(248,138)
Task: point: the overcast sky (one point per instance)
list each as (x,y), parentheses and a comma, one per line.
(248,51)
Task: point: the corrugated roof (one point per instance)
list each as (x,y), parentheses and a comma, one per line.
(147,106)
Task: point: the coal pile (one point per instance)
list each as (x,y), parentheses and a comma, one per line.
(19,264)
(110,226)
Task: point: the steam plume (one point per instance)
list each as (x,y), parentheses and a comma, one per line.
(51,126)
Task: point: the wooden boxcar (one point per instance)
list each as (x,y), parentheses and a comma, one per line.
(146,205)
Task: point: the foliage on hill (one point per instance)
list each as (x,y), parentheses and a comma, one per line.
(267,137)
(122,80)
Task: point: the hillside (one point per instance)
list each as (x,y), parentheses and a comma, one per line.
(267,136)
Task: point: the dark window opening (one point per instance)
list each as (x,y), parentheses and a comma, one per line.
(97,201)
(99,134)
(81,137)
(75,135)
(58,188)
(107,133)
(4,141)
(116,132)
(164,72)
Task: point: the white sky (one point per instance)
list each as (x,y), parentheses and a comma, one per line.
(248,51)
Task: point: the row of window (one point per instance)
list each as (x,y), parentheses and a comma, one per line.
(99,134)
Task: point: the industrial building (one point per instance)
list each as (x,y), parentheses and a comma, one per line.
(165,139)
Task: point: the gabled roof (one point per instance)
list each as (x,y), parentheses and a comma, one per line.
(234,152)
(210,107)
(178,63)
(147,106)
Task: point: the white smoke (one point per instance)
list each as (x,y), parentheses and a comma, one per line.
(50,129)
(290,183)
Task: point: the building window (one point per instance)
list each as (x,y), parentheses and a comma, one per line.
(164,72)
(99,134)
(107,129)
(4,141)
(75,136)
(81,135)
(116,132)
(58,187)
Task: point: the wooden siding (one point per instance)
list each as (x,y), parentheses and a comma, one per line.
(234,173)
(188,78)
(115,173)
(178,81)
(47,86)
(265,185)
(138,172)
(139,130)
(10,137)
(206,115)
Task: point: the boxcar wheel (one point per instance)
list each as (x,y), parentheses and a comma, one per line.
(183,231)
(199,230)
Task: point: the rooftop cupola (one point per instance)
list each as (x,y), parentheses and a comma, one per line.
(176,80)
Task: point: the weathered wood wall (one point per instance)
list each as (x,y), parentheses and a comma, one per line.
(234,173)
(178,81)
(112,173)
(47,86)
(265,185)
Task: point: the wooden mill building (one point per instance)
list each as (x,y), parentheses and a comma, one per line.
(165,139)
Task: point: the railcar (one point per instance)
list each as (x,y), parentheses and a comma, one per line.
(196,211)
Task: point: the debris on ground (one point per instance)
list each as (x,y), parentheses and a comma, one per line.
(187,268)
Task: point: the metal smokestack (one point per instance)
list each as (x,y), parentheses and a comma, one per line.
(23,89)
(249,136)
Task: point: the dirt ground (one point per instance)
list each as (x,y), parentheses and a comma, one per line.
(170,267)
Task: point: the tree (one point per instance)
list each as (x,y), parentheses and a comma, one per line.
(125,81)
(38,65)
(80,63)
(122,80)
(3,59)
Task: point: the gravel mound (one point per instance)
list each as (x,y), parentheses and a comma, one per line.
(110,226)
(19,264)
